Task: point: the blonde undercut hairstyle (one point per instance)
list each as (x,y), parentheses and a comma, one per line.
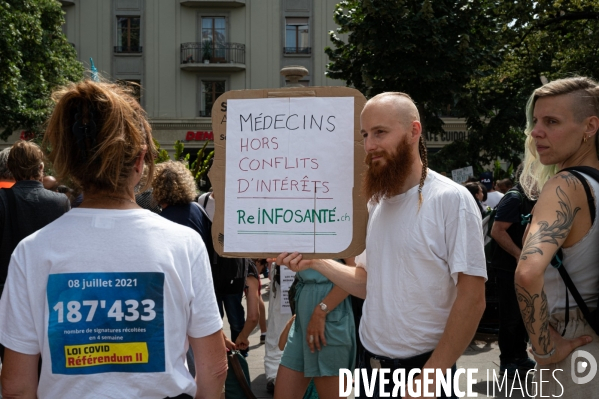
(95,135)
(586,91)
(173,184)
(421,144)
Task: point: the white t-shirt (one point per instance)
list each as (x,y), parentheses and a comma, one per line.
(108,297)
(413,259)
(493,199)
(209,205)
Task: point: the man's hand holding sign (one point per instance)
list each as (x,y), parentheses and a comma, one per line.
(291,176)
(424,264)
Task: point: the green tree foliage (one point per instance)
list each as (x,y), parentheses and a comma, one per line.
(427,49)
(162,154)
(551,39)
(499,173)
(179,147)
(199,167)
(479,58)
(35,58)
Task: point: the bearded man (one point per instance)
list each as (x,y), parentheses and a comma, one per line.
(423,272)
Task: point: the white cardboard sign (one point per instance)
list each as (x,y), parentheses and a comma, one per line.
(461,175)
(289,174)
(287,277)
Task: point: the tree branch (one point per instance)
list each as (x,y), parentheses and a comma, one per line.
(573,16)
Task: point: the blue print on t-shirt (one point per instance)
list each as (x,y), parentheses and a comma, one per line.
(106,322)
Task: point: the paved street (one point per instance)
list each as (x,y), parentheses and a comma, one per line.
(482,354)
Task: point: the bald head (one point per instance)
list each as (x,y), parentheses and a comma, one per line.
(395,147)
(50,183)
(400,105)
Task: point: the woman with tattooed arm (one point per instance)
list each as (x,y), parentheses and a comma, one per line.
(562,124)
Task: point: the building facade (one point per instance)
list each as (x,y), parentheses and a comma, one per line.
(185,53)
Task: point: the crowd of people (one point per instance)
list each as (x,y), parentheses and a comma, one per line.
(120,275)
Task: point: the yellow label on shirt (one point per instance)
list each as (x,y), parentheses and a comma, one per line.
(105,353)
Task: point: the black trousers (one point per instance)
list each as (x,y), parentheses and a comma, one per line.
(513,338)
(393,364)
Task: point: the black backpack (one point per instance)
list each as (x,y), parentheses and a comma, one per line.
(491,247)
(592,317)
(228,274)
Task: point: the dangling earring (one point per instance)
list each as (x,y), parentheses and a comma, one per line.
(584,140)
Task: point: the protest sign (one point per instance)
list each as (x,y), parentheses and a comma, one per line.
(461,175)
(286,174)
(287,277)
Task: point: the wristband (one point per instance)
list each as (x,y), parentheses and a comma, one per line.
(546,355)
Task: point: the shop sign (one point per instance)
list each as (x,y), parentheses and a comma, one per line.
(199,136)
(446,136)
(26,135)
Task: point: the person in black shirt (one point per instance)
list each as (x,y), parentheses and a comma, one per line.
(174,190)
(26,207)
(508,232)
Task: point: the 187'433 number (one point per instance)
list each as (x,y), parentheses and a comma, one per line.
(130,313)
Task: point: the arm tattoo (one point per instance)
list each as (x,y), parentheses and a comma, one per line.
(569,178)
(528,313)
(544,330)
(558,229)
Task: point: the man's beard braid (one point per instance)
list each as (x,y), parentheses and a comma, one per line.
(387,180)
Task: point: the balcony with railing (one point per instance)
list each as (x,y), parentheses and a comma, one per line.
(128,49)
(209,57)
(214,3)
(297,50)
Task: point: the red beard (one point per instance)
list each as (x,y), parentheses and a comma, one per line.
(387,180)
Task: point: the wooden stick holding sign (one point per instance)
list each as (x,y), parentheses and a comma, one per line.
(287,172)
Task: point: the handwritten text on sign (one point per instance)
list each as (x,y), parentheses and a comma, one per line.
(290,174)
(461,175)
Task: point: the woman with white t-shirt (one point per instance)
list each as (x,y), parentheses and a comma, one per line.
(117,293)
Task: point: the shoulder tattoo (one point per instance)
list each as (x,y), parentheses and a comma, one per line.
(570,179)
(547,233)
